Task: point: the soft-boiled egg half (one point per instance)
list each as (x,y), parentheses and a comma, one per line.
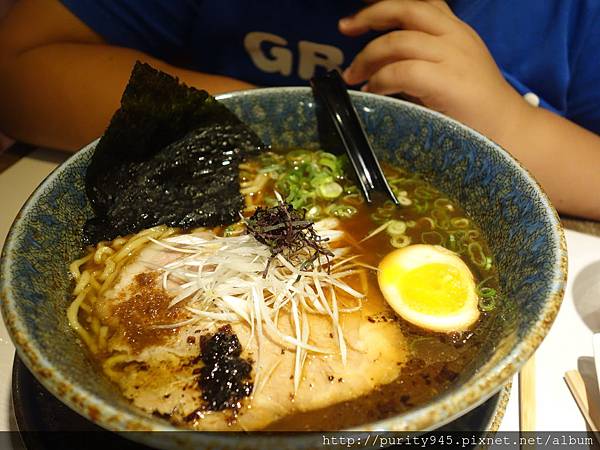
(429,286)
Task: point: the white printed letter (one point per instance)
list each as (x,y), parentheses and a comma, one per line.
(279,59)
(313,55)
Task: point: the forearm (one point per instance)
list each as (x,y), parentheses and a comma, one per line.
(562,156)
(63,95)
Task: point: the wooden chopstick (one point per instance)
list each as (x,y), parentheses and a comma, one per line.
(527,396)
(579,391)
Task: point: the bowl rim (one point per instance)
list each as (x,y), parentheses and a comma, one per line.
(444,408)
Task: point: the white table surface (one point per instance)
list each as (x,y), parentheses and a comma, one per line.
(568,345)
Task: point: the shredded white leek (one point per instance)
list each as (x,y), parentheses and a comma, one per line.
(223,279)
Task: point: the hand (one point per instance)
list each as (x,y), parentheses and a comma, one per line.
(431,55)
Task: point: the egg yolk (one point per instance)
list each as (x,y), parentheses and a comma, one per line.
(435,288)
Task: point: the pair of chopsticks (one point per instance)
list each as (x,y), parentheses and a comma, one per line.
(586,394)
(330,92)
(582,393)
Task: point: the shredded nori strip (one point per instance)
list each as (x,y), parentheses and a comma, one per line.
(286,231)
(169,156)
(224,379)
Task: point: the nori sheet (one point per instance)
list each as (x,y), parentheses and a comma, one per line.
(169,156)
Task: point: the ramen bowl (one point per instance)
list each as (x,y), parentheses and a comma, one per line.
(520,225)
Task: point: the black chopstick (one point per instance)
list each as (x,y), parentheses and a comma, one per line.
(330,92)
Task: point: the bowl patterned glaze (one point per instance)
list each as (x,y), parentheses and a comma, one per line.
(521,227)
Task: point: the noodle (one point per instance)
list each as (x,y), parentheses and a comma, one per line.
(95,273)
(74,267)
(72,316)
(112,361)
(102,337)
(99,255)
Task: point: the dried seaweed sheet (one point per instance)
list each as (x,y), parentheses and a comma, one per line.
(169,156)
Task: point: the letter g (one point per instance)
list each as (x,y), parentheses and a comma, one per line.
(279,59)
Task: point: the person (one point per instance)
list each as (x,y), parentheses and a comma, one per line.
(525,74)
(5,141)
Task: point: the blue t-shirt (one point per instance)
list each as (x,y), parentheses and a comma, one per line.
(550,48)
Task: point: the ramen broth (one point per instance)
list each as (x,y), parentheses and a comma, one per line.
(425,363)
(435,359)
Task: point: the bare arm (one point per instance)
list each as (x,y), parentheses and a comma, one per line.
(60,83)
(433,56)
(563,156)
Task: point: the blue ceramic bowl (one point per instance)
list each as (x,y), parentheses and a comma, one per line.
(519,223)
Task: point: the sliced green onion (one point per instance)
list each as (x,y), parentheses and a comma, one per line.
(461,241)
(313,213)
(460,222)
(487,292)
(424,192)
(473,234)
(330,190)
(398,180)
(487,296)
(481,284)
(385,213)
(388,205)
(427,220)
(271,168)
(404,201)
(396,227)
(440,218)
(402,197)
(488,263)
(400,241)
(421,206)
(432,238)
(443,203)
(351,190)
(476,254)
(342,211)
(321,178)
(299,156)
(330,161)
(451,243)
(353,199)
(487,304)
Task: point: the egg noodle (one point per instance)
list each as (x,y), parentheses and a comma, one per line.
(100,269)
